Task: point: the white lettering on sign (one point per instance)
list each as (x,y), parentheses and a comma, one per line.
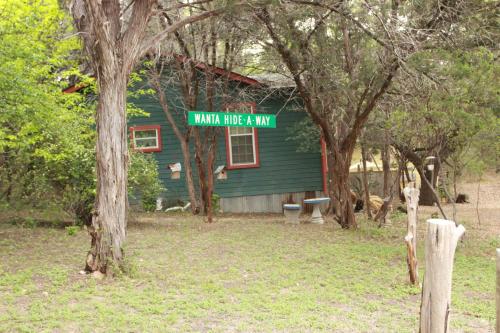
(262,120)
(196,118)
(232,120)
(207,119)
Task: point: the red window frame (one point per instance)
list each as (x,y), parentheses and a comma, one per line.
(133,129)
(230,165)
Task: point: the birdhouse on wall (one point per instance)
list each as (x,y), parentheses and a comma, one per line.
(221,172)
(175,169)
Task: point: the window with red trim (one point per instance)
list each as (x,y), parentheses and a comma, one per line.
(242,148)
(146,138)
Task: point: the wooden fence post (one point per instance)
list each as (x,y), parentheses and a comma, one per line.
(440,244)
(411,196)
(498,291)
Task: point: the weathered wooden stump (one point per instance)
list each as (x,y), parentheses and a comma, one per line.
(498,291)
(440,244)
(411,196)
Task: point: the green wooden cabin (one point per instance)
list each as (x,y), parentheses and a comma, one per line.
(263,166)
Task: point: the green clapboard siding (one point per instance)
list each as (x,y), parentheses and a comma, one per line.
(282,169)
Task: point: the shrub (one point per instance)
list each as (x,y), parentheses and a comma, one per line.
(72,230)
(144,180)
(215,203)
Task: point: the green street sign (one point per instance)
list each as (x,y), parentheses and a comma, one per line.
(230,119)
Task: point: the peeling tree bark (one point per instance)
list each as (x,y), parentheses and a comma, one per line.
(411,196)
(113,53)
(114,46)
(344,211)
(110,211)
(440,244)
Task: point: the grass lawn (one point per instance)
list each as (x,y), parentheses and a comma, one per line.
(241,274)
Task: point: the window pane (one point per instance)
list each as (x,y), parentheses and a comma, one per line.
(240,108)
(240,130)
(242,149)
(242,138)
(145,134)
(145,143)
(245,108)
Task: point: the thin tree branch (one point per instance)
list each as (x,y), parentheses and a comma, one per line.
(153,41)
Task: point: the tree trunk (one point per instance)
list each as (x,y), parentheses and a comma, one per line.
(427,192)
(205,173)
(344,212)
(382,212)
(366,188)
(440,245)
(195,207)
(430,188)
(386,166)
(114,47)
(411,196)
(110,211)
(210,180)
(155,82)
(202,185)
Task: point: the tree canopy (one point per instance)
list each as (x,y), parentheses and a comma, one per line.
(42,130)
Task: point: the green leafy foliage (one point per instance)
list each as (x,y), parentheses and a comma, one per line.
(143,180)
(305,134)
(457,120)
(215,202)
(47,137)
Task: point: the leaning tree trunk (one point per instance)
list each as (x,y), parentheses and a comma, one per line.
(195,208)
(440,244)
(427,197)
(429,187)
(110,211)
(411,196)
(155,82)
